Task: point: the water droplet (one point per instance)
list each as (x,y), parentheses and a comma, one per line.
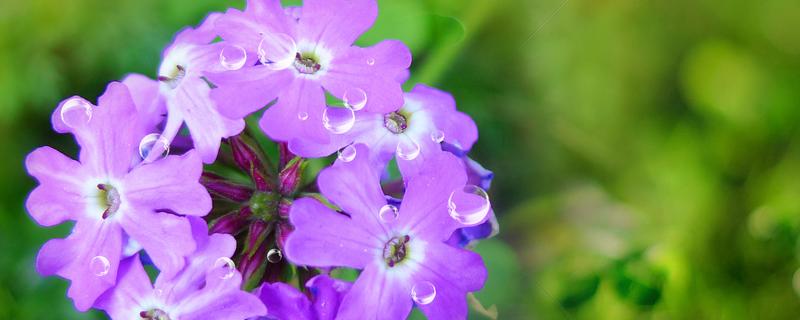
(371,61)
(274,255)
(158,292)
(423,292)
(355,98)
(437,136)
(469,205)
(232,57)
(227,265)
(388,213)
(153,142)
(407,149)
(277,50)
(347,153)
(338,120)
(302,115)
(76,112)
(99,266)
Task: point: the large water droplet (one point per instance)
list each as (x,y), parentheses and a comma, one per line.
(227,265)
(153,143)
(277,50)
(76,112)
(274,255)
(99,265)
(423,292)
(302,115)
(388,213)
(347,153)
(355,98)
(469,205)
(232,57)
(407,149)
(437,136)
(338,120)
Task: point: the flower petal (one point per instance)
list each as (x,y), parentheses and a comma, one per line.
(284,301)
(297,113)
(453,272)
(242,92)
(172,183)
(220,299)
(424,209)
(377,296)
(133,287)
(374,70)
(89,258)
(325,238)
(58,196)
(328,294)
(336,22)
(458,127)
(165,237)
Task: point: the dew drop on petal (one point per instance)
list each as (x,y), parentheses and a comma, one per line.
(76,112)
(388,213)
(423,292)
(338,120)
(274,255)
(302,115)
(153,142)
(355,98)
(232,57)
(227,265)
(347,153)
(371,61)
(99,265)
(158,292)
(469,205)
(277,51)
(437,136)
(407,149)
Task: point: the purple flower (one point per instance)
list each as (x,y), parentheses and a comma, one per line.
(208,287)
(402,252)
(118,204)
(186,93)
(286,302)
(414,132)
(302,55)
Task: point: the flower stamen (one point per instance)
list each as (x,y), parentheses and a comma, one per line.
(395,250)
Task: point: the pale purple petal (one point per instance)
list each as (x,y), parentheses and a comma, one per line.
(453,272)
(145,94)
(58,196)
(172,183)
(328,294)
(242,92)
(325,238)
(284,301)
(166,238)
(374,70)
(337,22)
(220,298)
(297,113)
(377,296)
(131,291)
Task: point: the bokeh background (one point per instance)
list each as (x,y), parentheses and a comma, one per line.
(647,153)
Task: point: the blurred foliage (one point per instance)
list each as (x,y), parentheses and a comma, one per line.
(646,153)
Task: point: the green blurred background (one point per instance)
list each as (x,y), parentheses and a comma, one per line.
(647,153)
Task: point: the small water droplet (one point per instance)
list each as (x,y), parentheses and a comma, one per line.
(437,136)
(371,61)
(158,292)
(227,265)
(469,205)
(153,142)
(232,57)
(423,292)
(274,255)
(388,213)
(407,149)
(76,112)
(277,50)
(338,120)
(99,265)
(355,98)
(347,153)
(302,115)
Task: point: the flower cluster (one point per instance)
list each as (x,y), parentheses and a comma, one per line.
(168,181)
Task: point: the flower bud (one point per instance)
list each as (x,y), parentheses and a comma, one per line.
(227,190)
(247,156)
(231,223)
(291,176)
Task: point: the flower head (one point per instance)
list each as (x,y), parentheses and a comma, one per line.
(402,252)
(208,287)
(302,55)
(116,200)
